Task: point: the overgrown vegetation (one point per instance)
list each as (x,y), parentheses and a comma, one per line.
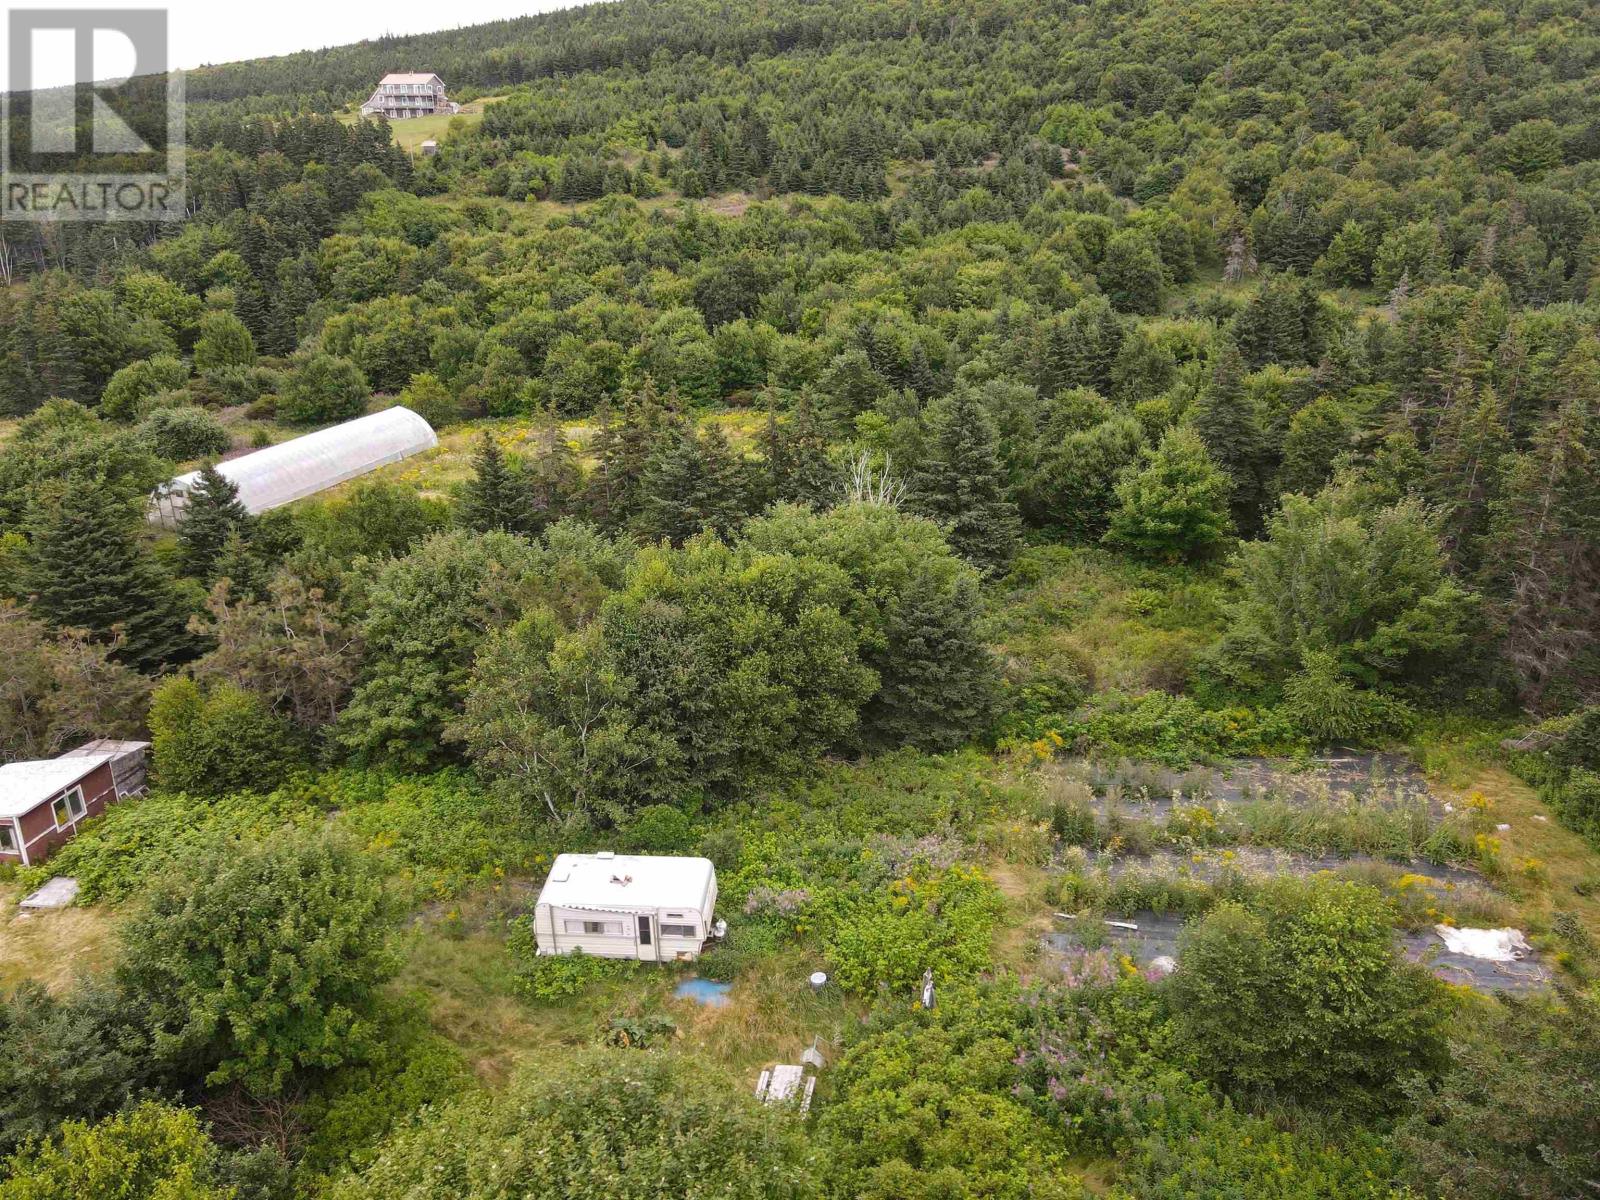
(884,449)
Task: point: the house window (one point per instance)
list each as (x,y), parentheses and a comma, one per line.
(8,838)
(69,807)
(683,931)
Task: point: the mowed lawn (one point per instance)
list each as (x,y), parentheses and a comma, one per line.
(411,133)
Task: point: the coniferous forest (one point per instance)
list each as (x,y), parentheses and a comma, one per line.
(1096,501)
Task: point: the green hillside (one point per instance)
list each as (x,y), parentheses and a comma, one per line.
(1097,501)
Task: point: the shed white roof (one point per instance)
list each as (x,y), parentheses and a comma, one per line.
(26,785)
(306,465)
(653,881)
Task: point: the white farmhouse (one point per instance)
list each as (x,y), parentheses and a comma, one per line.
(650,907)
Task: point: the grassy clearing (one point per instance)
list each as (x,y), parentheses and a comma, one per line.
(1129,627)
(53,947)
(410,134)
(460,964)
(436,472)
(1548,868)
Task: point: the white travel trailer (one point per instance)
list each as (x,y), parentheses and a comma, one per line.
(646,906)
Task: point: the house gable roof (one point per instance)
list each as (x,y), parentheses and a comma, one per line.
(408,77)
(26,785)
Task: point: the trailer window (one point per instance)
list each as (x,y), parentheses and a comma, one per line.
(598,928)
(683,931)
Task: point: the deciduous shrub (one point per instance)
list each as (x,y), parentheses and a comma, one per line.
(216,741)
(321,387)
(943,920)
(150,1152)
(604,1124)
(185,432)
(1305,995)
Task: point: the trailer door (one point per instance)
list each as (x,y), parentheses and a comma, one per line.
(647,939)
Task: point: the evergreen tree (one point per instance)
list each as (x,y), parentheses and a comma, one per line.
(87,569)
(612,492)
(214,512)
(1464,470)
(553,475)
(1544,557)
(1174,504)
(960,482)
(497,497)
(1228,420)
(796,466)
(692,482)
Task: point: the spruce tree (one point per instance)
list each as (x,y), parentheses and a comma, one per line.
(553,475)
(960,482)
(88,569)
(692,482)
(796,465)
(497,497)
(213,513)
(1229,422)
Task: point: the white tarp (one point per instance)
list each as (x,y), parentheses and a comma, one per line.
(1495,945)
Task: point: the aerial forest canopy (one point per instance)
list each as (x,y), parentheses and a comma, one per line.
(879,441)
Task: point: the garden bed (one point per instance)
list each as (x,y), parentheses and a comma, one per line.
(1157,936)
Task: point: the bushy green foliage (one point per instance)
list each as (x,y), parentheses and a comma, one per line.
(1516,1113)
(424,615)
(138,841)
(922,1106)
(1369,587)
(939,920)
(321,388)
(1172,729)
(220,740)
(223,342)
(411,1068)
(548,978)
(148,1152)
(660,829)
(919,627)
(80,1057)
(1173,504)
(139,381)
(255,961)
(1107,1064)
(607,1123)
(1305,995)
(183,433)
(1329,710)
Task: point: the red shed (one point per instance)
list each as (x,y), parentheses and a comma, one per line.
(42,802)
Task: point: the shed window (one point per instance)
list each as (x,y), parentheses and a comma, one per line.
(683,931)
(69,806)
(598,928)
(8,838)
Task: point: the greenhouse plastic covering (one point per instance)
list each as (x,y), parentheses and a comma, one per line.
(306,465)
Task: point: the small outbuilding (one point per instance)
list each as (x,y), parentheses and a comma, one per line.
(651,907)
(43,801)
(304,466)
